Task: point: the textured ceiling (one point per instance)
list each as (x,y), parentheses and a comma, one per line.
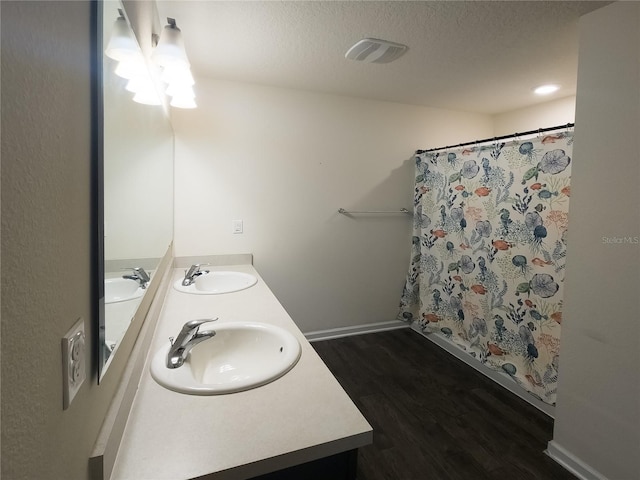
(477,56)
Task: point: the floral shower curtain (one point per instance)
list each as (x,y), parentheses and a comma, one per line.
(488,254)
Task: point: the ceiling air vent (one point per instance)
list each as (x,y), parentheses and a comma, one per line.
(372,50)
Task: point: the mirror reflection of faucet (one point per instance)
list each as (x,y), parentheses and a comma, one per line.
(189,337)
(139,275)
(193,272)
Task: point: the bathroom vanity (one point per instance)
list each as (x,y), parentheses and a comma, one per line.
(301,425)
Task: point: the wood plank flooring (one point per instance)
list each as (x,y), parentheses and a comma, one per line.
(435,417)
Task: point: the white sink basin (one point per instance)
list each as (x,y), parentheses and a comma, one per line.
(217,282)
(241,356)
(121,290)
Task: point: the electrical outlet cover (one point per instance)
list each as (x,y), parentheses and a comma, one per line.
(74,369)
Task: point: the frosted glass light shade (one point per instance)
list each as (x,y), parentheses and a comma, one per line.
(170,49)
(122,44)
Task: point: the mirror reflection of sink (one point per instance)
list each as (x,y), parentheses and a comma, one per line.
(121,290)
(217,282)
(241,356)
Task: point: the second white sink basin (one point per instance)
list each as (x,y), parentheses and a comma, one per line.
(121,290)
(217,282)
(241,356)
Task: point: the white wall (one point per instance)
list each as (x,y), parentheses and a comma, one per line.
(598,408)
(547,114)
(46,232)
(284,161)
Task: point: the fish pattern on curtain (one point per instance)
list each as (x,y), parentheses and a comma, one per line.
(488,254)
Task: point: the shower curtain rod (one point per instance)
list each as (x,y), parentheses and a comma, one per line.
(493,139)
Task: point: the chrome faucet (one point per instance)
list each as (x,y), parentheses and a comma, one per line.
(191,274)
(189,337)
(139,275)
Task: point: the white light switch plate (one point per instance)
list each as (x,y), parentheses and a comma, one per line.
(237,226)
(74,365)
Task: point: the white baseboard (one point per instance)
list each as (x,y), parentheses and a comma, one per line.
(500,378)
(572,463)
(330,333)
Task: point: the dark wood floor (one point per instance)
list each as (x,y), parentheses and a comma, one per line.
(435,417)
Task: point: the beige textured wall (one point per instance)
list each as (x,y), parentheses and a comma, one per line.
(46,264)
(598,409)
(284,161)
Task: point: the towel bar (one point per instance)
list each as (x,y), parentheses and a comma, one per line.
(347,212)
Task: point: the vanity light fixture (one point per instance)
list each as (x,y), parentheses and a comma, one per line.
(171,56)
(124,49)
(170,49)
(122,46)
(546,89)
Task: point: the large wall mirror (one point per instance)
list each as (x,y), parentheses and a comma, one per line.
(137,193)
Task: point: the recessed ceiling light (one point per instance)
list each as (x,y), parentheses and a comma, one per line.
(546,89)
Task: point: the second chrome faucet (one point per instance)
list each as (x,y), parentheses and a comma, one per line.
(139,275)
(193,272)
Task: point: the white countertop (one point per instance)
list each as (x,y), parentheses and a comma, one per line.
(300,417)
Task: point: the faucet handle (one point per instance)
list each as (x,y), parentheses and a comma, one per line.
(139,270)
(142,276)
(196,323)
(196,267)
